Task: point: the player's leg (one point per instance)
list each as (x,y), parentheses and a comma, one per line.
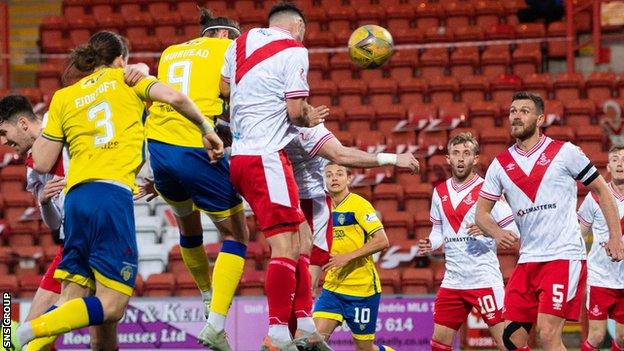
(618,316)
(599,302)
(450,313)
(49,290)
(104,337)
(496,331)
(618,343)
(267,183)
(170,164)
(361,317)
(561,286)
(521,305)
(489,302)
(328,313)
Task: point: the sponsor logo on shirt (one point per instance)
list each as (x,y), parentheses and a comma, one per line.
(543,160)
(526,211)
(339,234)
(371,217)
(459,239)
(510,167)
(469,200)
(444,198)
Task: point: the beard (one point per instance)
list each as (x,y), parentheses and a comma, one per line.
(526,132)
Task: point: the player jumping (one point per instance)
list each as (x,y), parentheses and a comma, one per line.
(538,177)
(473,277)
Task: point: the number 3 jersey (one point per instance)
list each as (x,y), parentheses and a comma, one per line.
(193,68)
(471,261)
(601,271)
(100,118)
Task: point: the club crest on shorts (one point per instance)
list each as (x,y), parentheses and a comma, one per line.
(126,273)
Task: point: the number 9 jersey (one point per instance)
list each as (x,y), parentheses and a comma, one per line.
(194,68)
(100,118)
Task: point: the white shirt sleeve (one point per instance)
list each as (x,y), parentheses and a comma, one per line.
(504,216)
(436,236)
(587,211)
(312,139)
(579,166)
(492,188)
(228,64)
(296,74)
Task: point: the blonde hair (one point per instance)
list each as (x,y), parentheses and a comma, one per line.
(463,138)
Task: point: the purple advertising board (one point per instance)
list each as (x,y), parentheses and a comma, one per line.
(404,323)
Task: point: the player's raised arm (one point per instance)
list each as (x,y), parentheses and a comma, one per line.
(334,151)
(615,247)
(49,145)
(187,108)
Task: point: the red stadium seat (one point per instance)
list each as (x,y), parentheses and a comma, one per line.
(29,260)
(621,86)
(13,173)
(464,61)
(443,89)
(458,13)
(483,114)
(29,283)
(323,89)
(350,92)
(6,260)
(567,86)
(433,62)
(341,67)
(398,16)
(360,118)
(590,133)
(453,110)
(538,83)
(487,13)
(185,285)
(437,35)
(345,137)
(409,35)
(370,140)
(336,119)
(176,264)
(469,33)
(420,114)
(371,13)
(600,87)
(364,191)
(159,285)
(405,177)
(553,110)
(503,87)
(417,280)
(319,61)
(579,112)
(138,285)
(388,116)
(526,60)
(382,91)
(319,38)
(557,49)
(565,133)
(530,30)
(473,88)
(475,132)
(402,64)
(427,14)
(387,198)
(252,282)
(500,32)
(33,94)
(412,90)
(418,196)
(390,280)
(399,225)
(511,10)
(9,283)
(495,60)
(494,142)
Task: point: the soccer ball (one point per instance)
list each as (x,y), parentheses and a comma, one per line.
(370,46)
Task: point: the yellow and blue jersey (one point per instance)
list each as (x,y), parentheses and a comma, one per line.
(194,68)
(354,220)
(100,118)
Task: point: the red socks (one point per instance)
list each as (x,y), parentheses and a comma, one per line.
(615,346)
(280,288)
(438,346)
(302,305)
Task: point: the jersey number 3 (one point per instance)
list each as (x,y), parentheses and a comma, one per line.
(101,114)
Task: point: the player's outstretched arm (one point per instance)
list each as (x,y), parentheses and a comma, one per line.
(485,221)
(615,246)
(45,152)
(379,241)
(334,151)
(187,108)
(303,114)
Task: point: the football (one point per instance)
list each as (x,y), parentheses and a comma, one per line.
(370,46)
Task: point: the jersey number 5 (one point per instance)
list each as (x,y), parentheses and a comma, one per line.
(102,114)
(180,74)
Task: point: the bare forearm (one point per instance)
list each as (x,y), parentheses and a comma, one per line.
(484,219)
(610,212)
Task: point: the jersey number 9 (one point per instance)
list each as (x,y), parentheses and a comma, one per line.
(180,74)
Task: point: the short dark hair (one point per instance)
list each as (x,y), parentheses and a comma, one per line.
(286,6)
(537,100)
(12,106)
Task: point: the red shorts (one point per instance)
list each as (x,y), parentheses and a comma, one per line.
(452,306)
(48,282)
(553,287)
(317,212)
(268,184)
(605,302)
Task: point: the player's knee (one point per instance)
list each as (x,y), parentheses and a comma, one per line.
(509,340)
(619,339)
(595,336)
(114,308)
(549,334)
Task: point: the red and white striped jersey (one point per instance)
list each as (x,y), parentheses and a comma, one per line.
(307,166)
(471,262)
(601,271)
(540,186)
(264,66)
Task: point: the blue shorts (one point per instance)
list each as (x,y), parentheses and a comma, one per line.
(360,313)
(184,176)
(100,239)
